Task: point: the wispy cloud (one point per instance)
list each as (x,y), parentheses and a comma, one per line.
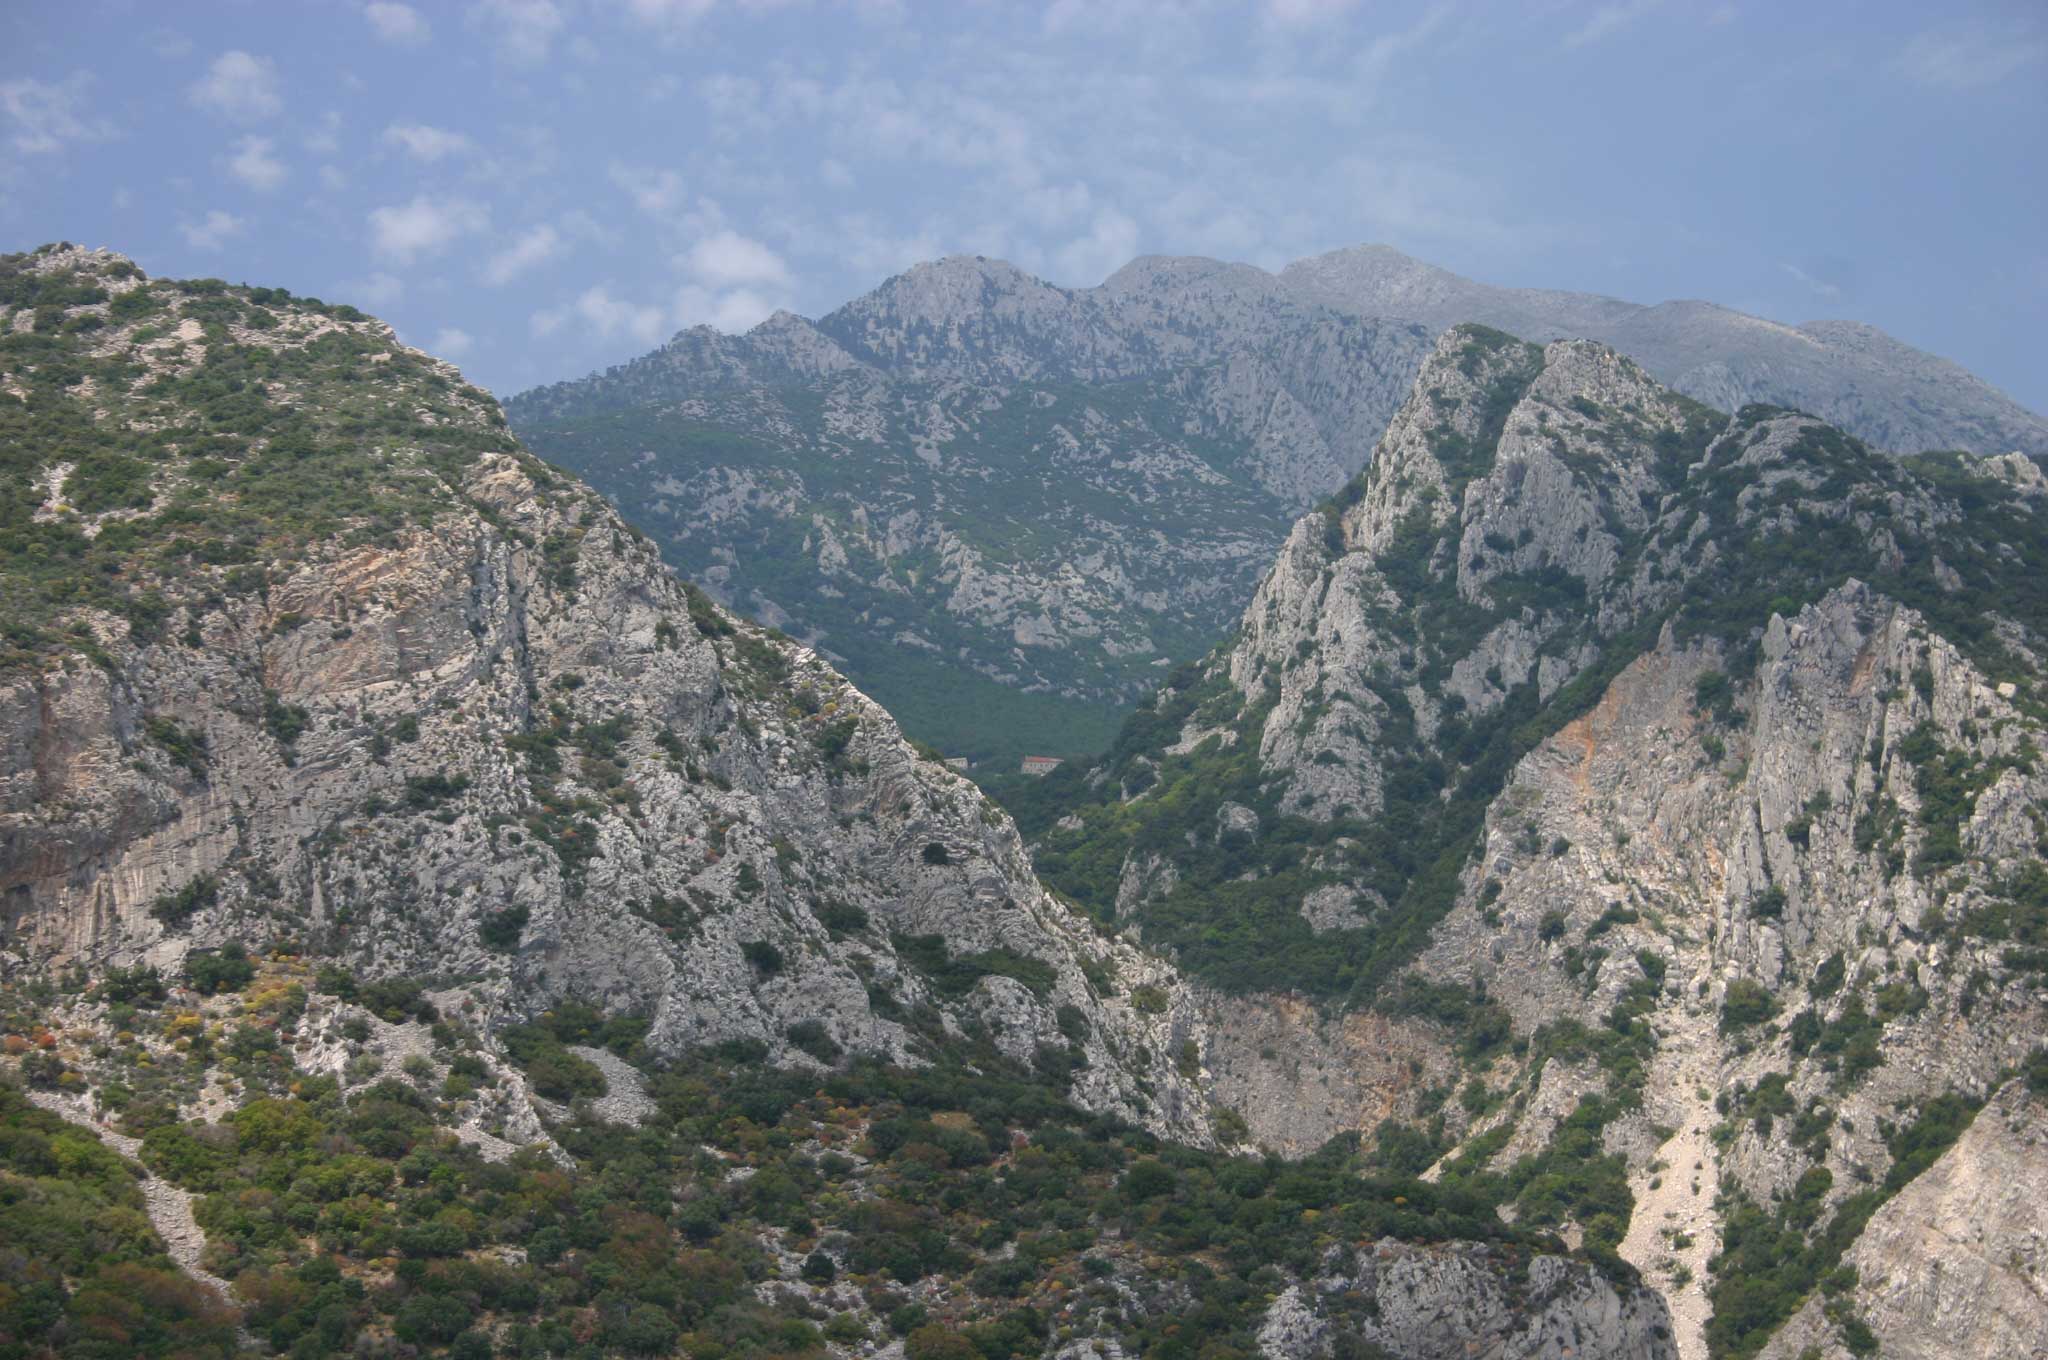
(255,164)
(406,231)
(522,32)
(1607,21)
(399,25)
(669,11)
(239,86)
(43,117)
(1970,58)
(451,342)
(1298,13)
(606,317)
(531,248)
(658,193)
(735,283)
(727,259)
(1109,244)
(212,231)
(424,143)
(1819,287)
(376,292)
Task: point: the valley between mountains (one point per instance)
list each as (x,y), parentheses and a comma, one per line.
(1591,902)
(1006,509)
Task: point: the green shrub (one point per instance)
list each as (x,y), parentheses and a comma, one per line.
(1746,1003)
(174,909)
(502,930)
(224,970)
(811,1036)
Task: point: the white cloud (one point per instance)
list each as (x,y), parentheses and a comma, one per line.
(1968,59)
(255,166)
(1109,245)
(212,231)
(654,192)
(1819,287)
(239,86)
(606,316)
(1608,19)
(333,178)
(451,343)
(1291,13)
(731,311)
(405,231)
(729,259)
(522,31)
(669,11)
(44,117)
(531,248)
(399,25)
(425,143)
(735,283)
(325,139)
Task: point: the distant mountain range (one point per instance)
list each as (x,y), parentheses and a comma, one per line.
(1006,507)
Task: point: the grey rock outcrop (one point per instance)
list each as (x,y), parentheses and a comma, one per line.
(1419,1303)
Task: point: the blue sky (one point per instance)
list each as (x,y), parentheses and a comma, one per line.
(540,187)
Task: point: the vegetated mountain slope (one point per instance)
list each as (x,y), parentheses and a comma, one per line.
(1003,506)
(505,947)
(1682,771)
(1854,376)
(303,642)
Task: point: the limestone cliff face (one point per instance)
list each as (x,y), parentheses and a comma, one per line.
(1953,1266)
(499,741)
(1625,858)
(1714,749)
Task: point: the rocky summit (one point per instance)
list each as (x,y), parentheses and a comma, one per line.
(432,927)
(1007,508)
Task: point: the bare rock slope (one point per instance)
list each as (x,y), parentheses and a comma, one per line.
(465,723)
(1666,785)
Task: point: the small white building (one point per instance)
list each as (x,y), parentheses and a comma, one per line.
(1041,765)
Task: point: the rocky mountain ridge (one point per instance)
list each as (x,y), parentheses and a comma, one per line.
(488,736)
(1672,779)
(1856,377)
(995,502)
(1080,484)
(481,924)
